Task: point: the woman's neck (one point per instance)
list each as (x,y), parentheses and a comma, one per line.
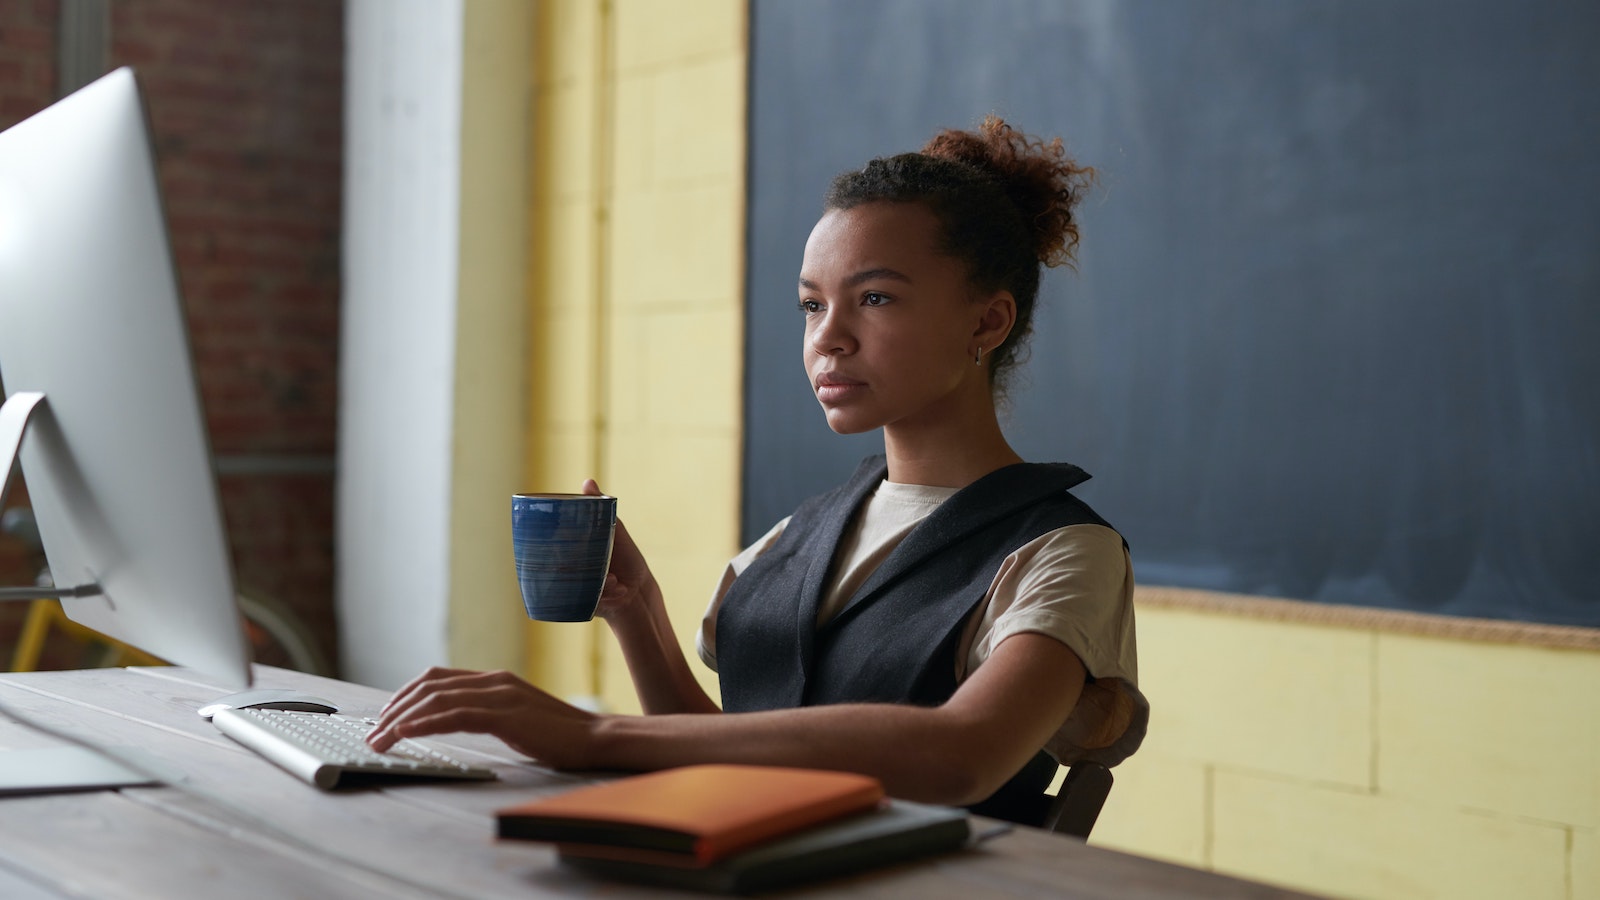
(953,453)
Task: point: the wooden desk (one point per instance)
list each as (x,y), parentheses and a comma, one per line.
(237,826)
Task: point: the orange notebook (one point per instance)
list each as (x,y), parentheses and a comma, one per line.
(691,816)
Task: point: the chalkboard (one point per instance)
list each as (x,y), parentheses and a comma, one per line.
(1333,332)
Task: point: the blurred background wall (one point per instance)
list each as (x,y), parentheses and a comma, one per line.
(636,297)
(246,105)
(432,364)
(1361,756)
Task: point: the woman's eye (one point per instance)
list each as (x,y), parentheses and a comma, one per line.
(873,298)
(809,306)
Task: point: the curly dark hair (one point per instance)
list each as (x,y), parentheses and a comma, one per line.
(1004,202)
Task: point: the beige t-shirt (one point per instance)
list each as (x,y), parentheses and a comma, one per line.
(1074,584)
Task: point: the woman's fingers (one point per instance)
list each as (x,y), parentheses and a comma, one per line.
(629,573)
(444,706)
(444,701)
(425,686)
(417,685)
(613,596)
(623,545)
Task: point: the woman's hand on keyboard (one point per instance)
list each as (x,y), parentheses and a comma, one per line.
(442,701)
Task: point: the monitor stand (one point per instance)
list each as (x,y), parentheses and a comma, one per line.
(14,416)
(65,769)
(58,768)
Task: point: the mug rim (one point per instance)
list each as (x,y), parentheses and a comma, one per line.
(563,496)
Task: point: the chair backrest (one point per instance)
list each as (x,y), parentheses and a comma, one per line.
(1077,805)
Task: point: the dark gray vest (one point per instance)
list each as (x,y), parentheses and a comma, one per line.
(895,641)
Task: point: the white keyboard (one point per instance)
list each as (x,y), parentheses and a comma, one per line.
(321,749)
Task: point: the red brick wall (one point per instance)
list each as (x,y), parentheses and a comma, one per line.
(246,104)
(27,58)
(27,84)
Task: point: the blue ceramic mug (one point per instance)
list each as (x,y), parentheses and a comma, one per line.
(562,546)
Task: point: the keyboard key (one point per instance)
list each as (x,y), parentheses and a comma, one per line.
(321,749)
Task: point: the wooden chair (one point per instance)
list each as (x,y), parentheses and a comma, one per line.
(1077,805)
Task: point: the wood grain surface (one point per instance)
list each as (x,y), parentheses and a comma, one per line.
(229,823)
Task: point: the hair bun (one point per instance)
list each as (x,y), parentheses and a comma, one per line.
(1041,180)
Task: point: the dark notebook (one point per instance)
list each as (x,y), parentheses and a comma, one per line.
(896,832)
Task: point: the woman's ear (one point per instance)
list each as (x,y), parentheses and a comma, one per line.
(995,321)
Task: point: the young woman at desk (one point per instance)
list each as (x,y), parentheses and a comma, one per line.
(998,637)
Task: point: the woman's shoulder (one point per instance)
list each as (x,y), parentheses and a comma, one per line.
(1077,546)
(761,545)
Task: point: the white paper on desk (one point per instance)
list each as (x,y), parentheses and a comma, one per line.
(51,770)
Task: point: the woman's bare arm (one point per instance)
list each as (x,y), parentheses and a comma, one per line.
(660,672)
(957,753)
(631,603)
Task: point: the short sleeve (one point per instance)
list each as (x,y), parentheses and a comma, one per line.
(705,641)
(1074,584)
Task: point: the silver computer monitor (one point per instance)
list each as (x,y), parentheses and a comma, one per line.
(116,458)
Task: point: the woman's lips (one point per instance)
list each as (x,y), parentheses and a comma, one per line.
(833,388)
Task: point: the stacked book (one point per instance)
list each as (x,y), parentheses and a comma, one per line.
(733,829)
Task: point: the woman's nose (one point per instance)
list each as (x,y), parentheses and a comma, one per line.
(830,334)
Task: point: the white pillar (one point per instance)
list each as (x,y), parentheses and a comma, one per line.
(431,372)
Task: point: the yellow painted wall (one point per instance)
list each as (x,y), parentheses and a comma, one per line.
(636,296)
(1343,760)
(487,450)
(1361,762)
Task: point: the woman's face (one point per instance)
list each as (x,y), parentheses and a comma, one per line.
(890,326)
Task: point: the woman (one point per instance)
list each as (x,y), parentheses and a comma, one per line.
(944,616)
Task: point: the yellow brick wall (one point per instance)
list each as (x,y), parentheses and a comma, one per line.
(1362,763)
(636,296)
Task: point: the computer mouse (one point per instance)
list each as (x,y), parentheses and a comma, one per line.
(269,698)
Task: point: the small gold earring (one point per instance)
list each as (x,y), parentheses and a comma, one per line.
(978,360)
